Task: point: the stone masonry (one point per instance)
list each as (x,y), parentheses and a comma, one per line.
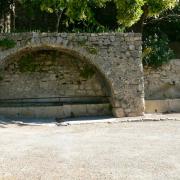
(54,75)
(164,82)
(116,58)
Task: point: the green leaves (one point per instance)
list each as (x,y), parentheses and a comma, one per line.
(7,43)
(156,51)
(52,6)
(158,6)
(74,9)
(130,11)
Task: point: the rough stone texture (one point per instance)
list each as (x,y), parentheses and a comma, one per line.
(116,56)
(163,106)
(163,83)
(54,76)
(57,112)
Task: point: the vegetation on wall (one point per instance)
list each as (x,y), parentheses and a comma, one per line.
(34,62)
(7,43)
(156,51)
(27,64)
(87,71)
(91,50)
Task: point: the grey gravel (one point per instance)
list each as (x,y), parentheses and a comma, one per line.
(98,151)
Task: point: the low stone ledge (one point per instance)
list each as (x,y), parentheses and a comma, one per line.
(162,106)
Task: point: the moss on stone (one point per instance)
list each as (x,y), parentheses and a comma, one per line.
(87,72)
(27,64)
(82,42)
(91,50)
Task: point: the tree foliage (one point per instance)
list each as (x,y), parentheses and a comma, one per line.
(128,12)
(156,51)
(131,11)
(4,6)
(75,10)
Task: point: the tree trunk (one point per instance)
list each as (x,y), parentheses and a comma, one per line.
(139,26)
(58,15)
(2,23)
(13,16)
(5,23)
(8,23)
(7,16)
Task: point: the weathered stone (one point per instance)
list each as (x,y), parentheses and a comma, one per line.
(131,47)
(118,112)
(163,83)
(112,38)
(116,58)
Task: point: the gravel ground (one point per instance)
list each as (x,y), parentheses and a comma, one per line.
(99,151)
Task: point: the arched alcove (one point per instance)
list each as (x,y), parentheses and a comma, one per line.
(115,56)
(46,81)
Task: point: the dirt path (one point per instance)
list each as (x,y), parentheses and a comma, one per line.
(118,151)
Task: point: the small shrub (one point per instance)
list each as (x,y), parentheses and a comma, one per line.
(156,51)
(7,43)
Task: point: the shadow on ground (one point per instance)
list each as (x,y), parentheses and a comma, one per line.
(24,121)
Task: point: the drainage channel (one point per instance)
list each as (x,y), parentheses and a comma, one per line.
(53,101)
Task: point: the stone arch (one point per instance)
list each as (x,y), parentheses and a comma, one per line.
(76,50)
(77,53)
(102,98)
(116,55)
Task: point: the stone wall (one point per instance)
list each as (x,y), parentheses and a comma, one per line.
(116,56)
(164,82)
(49,74)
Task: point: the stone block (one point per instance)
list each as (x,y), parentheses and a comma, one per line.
(118,112)
(156,106)
(174,105)
(131,47)
(79,110)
